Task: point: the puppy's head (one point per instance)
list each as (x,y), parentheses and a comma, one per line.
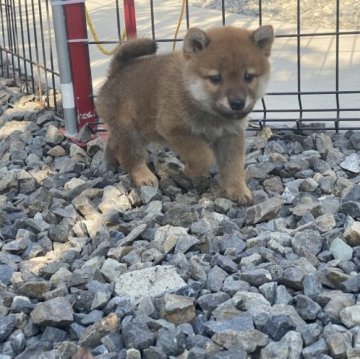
(227,69)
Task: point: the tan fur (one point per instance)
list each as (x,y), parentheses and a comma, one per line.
(82,353)
(174,99)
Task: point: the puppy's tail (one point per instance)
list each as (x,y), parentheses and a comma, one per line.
(132,50)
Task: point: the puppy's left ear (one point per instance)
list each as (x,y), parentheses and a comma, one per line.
(263,38)
(195,40)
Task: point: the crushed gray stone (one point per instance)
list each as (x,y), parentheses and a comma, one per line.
(87,260)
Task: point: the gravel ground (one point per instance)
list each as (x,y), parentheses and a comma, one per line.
(178,272)
(321,13)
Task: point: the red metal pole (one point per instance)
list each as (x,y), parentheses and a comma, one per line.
(130,19)
(80,63)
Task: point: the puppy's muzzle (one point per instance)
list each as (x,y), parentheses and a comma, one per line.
(236,104)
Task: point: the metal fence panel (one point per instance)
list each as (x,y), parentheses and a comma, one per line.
(27,49)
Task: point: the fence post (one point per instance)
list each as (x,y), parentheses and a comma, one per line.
(80,62)
(130,19)
(66,84)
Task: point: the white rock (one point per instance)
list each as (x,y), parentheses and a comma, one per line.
(166,237)
(351,163)
(153,282)
(340,250)
(350,316)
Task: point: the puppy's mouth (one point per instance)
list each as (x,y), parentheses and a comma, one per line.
(233,109)
(232,114)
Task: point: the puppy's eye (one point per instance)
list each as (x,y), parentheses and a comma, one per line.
(249,77)
(215,79)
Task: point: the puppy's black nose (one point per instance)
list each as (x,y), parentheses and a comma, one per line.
(237,104)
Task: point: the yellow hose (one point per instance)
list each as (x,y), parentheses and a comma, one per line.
(124,36)
(96,38)
(179,23)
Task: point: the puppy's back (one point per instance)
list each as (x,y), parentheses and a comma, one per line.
(135,80)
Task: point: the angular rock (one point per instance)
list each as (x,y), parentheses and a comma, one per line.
(316,349)
(172,341)
(351,164)
(222,205)
(350,316)
(92,335)
(289,346)
(250,301)
(308,185)
(155,353)
(288,310)
(307,308)
(239,323)
(101,298)
(335,302)
(17,340)
(111,269)
(138,335)
(134,234)
(53,335)
(225,263)
(337,345)
(309,239)
(351,285)
(237,353)
(7,324)
(177,309)
(21,304)
(250,340)
(264,211)
(215,278)
(325,222)
(56,312)
(352,234)
(282,296)
(184,243)
(311,333)
(292,277)
(340,250)
(166,237)
(113,342)
(278,325)
(291,192)
(333,277)
(148,194)
(209,302)
(181,216)
(350,208)
(6,272)
(53,135)
(312,286)
(92,317)
(256,277)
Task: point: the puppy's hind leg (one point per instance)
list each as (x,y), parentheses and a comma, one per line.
(128,148)
(111,151)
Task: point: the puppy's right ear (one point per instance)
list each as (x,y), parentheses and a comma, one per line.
(195,40)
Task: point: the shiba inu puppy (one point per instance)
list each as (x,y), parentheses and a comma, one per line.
(195,101)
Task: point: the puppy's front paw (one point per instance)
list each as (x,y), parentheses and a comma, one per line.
(145,178)
(240,194)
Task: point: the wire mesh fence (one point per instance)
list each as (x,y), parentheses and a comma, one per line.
(316,55)
(26,48)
